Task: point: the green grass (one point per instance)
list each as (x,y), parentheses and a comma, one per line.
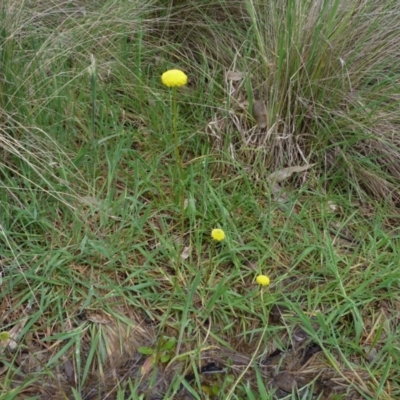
(93,280)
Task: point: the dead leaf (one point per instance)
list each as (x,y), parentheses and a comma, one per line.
(279,193)
(14,332)
(185,253)
(234,76)
(69,371)
(260,113)
(147,365)
(371,353)
(333,206)
(282,174)
(98,318)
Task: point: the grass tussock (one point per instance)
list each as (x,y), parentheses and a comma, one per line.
(111,285)
(328,76)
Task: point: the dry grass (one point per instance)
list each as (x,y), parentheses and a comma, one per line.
(330,89)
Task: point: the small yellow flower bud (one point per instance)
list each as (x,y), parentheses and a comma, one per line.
(174,78)
(263,280)
(4,336)
(218,234)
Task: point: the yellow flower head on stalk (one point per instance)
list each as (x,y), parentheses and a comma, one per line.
(263,280)
(218,234)
(4,336)
(174,78)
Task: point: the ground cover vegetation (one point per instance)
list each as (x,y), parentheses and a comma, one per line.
(235,237)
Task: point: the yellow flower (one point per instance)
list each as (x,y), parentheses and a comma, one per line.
(4,336)
(218,234)
(263,280)
(174,78)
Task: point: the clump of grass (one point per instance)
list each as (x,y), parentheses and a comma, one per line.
(329,77)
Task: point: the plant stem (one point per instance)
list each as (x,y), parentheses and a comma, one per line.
(93,78)
(210,264)
(180,167)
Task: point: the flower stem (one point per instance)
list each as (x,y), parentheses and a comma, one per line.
(180,167)
(210,264)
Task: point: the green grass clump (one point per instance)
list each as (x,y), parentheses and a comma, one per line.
(111,284)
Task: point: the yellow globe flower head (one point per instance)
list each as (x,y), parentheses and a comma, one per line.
(4,336)
(218,234)
(263,280)
(174,78)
